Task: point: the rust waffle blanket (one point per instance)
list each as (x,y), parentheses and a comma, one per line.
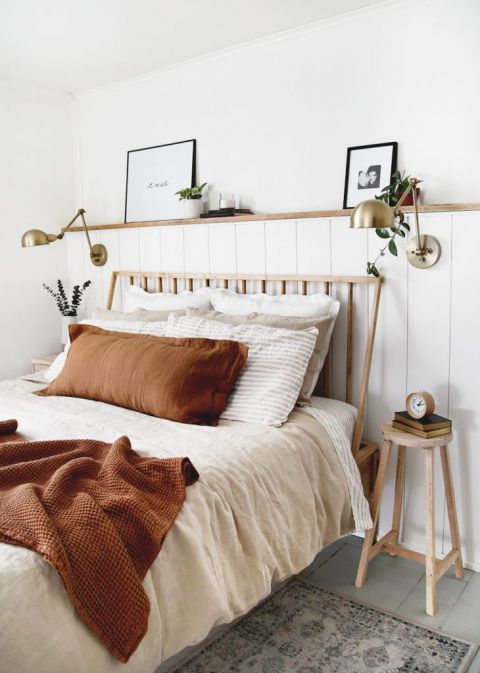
(98,513)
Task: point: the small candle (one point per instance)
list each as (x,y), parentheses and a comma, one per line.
(227,201)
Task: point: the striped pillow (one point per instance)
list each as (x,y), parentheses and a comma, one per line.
(268,385)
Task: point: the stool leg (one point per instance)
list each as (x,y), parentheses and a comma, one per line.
(430,531)
(377,496)
(452,510)
(399,486)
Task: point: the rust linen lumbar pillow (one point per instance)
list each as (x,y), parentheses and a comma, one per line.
(185,380)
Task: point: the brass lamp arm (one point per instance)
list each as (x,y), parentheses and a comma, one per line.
(80,213)
(412,187)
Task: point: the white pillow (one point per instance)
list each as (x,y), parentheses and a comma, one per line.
(134,327)
(136,298)
(298,305)
(268,385)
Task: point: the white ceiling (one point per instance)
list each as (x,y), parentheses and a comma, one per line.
(69,46)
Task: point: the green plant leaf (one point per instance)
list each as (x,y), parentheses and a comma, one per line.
(405,225)
(383,233)
(393,247)
(372,270)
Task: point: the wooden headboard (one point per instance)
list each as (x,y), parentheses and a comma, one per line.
(175,282)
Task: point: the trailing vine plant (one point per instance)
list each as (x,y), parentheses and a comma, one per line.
(391,195)
(65,306)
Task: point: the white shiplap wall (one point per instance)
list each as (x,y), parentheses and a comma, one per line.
(427,336)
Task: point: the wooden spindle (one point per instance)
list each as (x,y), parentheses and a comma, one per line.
(131,280)
(283,287)
(303,287)
(145,283)
(174,285)
(225,284)
(326,364)
(159,284)
(190,284)
(243,284)
(263,286)
(348,382)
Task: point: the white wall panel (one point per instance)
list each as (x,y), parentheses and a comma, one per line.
(129,241)
(428,340)
(281,247)
(110,239)
(388,379)
(464,388)
(250,237)
(196,248)
(313,246)
(222,248)
(95,294)
(172,250)
(349,257)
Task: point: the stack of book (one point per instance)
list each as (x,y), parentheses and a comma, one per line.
(227,212)
(427,427)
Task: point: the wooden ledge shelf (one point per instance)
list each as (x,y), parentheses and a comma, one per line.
(263,217)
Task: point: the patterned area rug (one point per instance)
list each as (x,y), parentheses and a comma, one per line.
(304,629)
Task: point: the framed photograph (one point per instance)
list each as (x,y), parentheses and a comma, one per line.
(369,169)
(154,174)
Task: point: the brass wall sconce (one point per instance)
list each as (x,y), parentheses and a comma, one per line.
(98,252)
(423,251)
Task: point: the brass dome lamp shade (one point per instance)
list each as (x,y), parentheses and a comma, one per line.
(33,237)
(423,251)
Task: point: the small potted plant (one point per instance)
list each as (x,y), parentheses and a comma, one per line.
(392,193)
(68,308)
(192,197)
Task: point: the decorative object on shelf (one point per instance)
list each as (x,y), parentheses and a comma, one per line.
(33,237)
(68,308)
(154,175)
(422,251)
(226,201)
(192,200)
(368,166)
(393,192)
(227,212)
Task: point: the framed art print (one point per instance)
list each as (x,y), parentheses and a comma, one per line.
(154,174)
(369,169)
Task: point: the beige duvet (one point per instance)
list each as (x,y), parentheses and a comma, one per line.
(267,501)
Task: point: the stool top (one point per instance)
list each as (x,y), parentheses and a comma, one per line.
(407,439)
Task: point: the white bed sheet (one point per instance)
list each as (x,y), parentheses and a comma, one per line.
(259,513)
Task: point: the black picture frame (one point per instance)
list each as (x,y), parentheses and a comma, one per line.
(184,176)
(381,158)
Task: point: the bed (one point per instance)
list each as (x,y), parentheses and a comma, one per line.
(268,500)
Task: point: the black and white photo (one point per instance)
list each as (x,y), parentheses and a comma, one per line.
(369,169)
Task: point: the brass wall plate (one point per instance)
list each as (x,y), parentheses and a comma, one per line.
(99,254)
(432,253)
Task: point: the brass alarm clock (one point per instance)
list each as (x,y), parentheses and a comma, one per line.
(420,404)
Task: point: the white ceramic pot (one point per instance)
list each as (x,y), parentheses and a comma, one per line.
(192,208)
(67,320)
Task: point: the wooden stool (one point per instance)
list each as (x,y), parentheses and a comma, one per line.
(435,568)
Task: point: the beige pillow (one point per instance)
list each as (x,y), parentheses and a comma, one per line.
(140,314)
(323,324)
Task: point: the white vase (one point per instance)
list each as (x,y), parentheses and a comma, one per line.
(192,208)
(67,320)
